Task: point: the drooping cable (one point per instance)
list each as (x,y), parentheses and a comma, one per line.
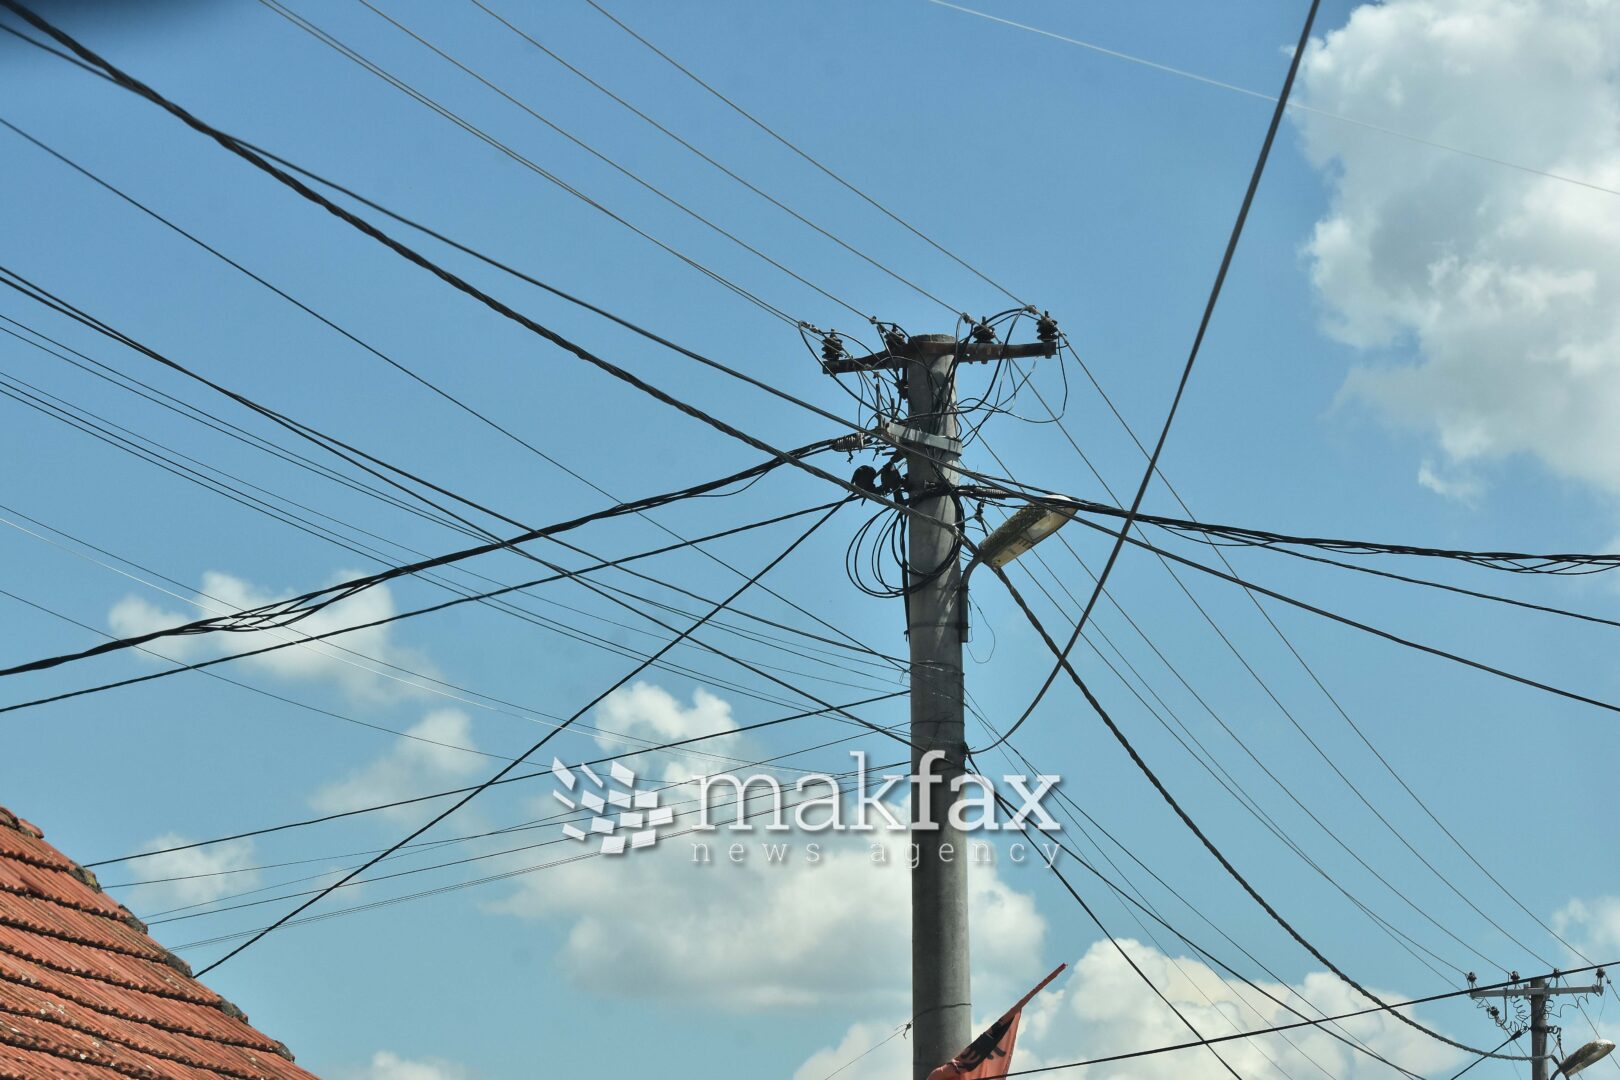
(1186,370)
(506,769)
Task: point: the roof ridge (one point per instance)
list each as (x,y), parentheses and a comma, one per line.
(27,828)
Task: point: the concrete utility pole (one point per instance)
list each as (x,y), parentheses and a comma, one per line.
(1538,1030)
(1539,991)
(942,1021)
(940,993)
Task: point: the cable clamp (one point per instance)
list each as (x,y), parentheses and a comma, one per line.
(917,437)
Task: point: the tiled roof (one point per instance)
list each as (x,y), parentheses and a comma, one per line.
(85,994)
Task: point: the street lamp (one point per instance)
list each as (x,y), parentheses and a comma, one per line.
(1590,1054)
(1020,532)
(1026,528)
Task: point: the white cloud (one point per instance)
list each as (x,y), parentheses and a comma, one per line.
(387,1065)
(753,935)
(1499,289)
(217,861)
(315,661)
(1593,925)
(409,768)
(1102,1007)
(645,711)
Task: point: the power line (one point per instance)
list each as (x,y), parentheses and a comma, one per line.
(1295,653)
(286,612)
(505,769)
(1193,827)
(526,162)
(1186,371)
(387,359)
(621,169)
(711,161)
(767,129)
(1207,81)
(1250,669)
(1389,1008)
(261,159)
(412,613)
(1367,628)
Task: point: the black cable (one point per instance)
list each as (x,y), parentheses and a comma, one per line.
(711,161)
(465,884)
(891,215)
(429,609)
(283,613)
(1428,584)
(322,35)
(1023,828)
(322,819)
(1192,826)
(1298,657)
(261,159)
(1186,371)
(1389,1008)
(387,359)
(158,918)
(1234,788)
(1366,628)
(504,770)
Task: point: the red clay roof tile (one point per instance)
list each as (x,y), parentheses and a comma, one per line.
(85,994)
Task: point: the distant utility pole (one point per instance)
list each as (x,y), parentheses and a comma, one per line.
(1538,991)
(940,992)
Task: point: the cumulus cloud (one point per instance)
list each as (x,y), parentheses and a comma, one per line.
(650,713)
(761,935)
(316,661)
(387,1065)
(1592,924)
(1102,1007)
(409,768)
(1492,295)
(201,874)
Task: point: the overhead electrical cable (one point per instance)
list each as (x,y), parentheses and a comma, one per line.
(262,160)
(529,163)
(293,609)
(767,129)
(522,712)
(1390,1008)
(426,893)
(508,768)
(1206,80)
(1234,787)
(1193,827)
(387,359)
(570,136)
(1367,628)
(711,161)
(1186,370)
(1305,665)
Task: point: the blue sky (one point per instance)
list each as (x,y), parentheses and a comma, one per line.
(1413,345)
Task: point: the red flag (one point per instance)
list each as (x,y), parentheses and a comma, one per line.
(990,1055)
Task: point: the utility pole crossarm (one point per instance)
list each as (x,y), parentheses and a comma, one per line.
(1535,991)
(926,348)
